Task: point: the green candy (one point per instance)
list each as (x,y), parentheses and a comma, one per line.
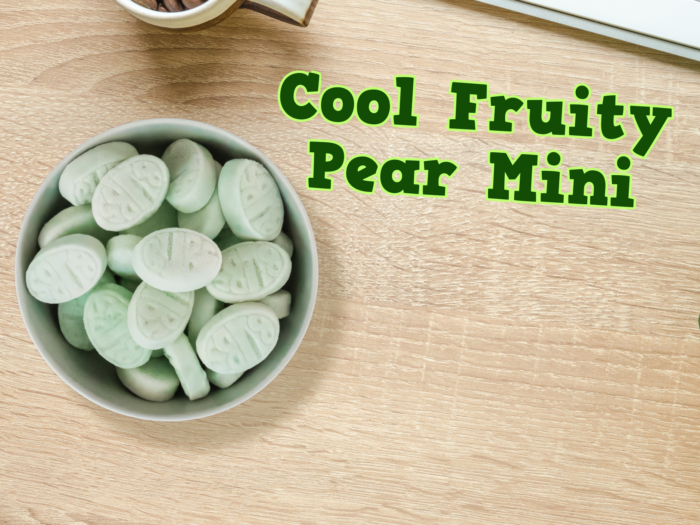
(250,271)
(81,177)
(165,217)
(76,219)
(284,242)
(154,381)
(238,338)
(184,360)
(156,318)
(70,316)
(120,251)
(250,200)
(280,302)
(205,307)
(106,326)
(222,380)
(208,221)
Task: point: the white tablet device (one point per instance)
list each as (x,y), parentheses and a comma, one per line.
(668,25)
(673,20)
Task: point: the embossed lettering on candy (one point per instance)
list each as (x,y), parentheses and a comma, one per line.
(158,318)
(130,193)
(80,178)
(66,268)
(177,260)
(238,338)
(250,200)
(106,325)
(250,271)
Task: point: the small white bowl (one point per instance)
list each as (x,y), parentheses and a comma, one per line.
(206,15)
(90,375)
(212,12)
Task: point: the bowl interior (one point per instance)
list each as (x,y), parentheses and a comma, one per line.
(215,6)
(87,372)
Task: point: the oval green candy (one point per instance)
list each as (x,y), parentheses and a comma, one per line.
(130,193)
(76,219)
(80,178)
(106,326)
(120,255)
(205,307)
(154,381)
(284,242)
(208,221)
(250,271)
(66,268)
(157,318)
(250,200)
(192,175)
(165,217)
(238,338)
(280,302)
(184,360)
(70,316)
(222,380)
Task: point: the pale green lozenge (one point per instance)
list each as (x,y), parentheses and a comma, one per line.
(120,252)
(280,302)
(192,175)
(157,318)
(106,325)
(71,313)
(66,268)
(250,271)
(177,260)
(154,381)
(208,221)
(250,200)
(284,242)
(80,178)
(165,217)
(76,219)
(205,307)
(184,360)
(222,380)
(238,338)
(130,193)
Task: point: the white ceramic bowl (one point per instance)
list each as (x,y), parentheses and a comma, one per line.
(86,372)
(211,12)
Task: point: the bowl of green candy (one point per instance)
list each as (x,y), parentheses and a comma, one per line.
(166,270)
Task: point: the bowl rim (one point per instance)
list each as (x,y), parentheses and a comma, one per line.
(136,8)
(24,298)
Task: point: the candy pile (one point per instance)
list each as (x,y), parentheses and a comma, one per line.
(186,238)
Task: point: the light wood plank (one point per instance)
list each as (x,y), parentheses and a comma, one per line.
(468,361)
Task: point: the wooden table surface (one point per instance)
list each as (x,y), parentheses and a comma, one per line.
(469,362)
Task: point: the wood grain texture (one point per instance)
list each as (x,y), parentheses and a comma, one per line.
(469,362)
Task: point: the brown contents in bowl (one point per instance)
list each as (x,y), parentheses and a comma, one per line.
(170,6)
(191,4)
